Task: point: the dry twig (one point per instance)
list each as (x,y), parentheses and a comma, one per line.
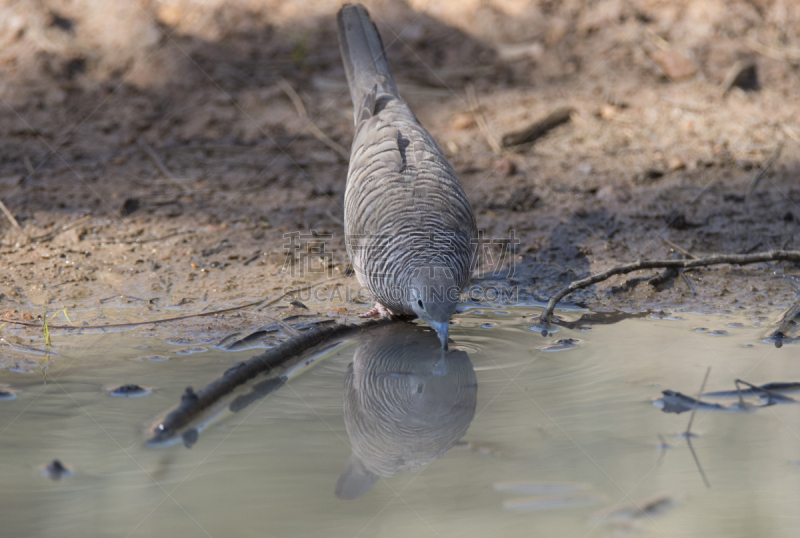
(733,259)
(257,304)
(678,248)
(688,432)
(150,152)
(9,215)
(770,52)
(297,101)
(477,113)
(765,167)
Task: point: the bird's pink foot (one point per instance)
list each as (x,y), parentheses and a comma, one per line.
(379,311)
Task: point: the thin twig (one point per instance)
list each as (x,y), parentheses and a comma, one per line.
(52,235)
(678,248)
(765,167)
(477,113)
(696,403)
(770,52)
(688,433)
(688,281)
(697,462)
(160,164)
(258,304)
(9,215)
(791,133)
(28,166)
(733,259)
(297,101)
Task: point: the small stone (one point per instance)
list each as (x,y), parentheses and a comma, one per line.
(130,205)
(505,166)
(607,112)
(129,391)
(650,174)
(55,470)
(557,29)
(524,199)
(462,121)
(675,163)
(675,65)
(742,75)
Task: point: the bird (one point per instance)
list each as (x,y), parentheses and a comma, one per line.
(410,230)
(405,405)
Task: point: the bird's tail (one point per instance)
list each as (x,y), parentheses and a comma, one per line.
(363,55)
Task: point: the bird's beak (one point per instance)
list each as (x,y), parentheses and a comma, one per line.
(442,329)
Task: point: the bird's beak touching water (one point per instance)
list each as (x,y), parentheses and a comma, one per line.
(442,329)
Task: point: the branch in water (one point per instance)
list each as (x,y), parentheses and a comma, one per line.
(194,403)
(733,259)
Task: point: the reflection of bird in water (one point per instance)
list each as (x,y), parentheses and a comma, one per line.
(406,403)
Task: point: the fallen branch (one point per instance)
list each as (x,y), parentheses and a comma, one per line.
(787,326)
(523,139)
(733,259)
(194,403)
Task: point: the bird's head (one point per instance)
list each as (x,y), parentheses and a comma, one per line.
(433,296)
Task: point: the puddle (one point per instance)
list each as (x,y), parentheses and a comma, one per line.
(382,435)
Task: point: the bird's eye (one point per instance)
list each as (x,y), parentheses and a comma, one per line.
(419,302)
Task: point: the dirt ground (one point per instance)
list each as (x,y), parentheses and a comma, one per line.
(155,160)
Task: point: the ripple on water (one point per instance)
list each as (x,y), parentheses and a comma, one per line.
(539,328)
(488,326)
(718,332)
(538,503)
(191,350)
(538,488)
(562,345)
(664,315)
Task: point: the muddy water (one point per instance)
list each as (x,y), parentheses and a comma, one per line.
(510,434)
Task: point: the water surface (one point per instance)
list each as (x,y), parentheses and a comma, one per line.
(511,434)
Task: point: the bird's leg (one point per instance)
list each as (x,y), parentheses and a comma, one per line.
(379,311)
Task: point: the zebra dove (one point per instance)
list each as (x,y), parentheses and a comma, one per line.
(409,227)
(405,404)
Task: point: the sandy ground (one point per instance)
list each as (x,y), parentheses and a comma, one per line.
(155,161)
